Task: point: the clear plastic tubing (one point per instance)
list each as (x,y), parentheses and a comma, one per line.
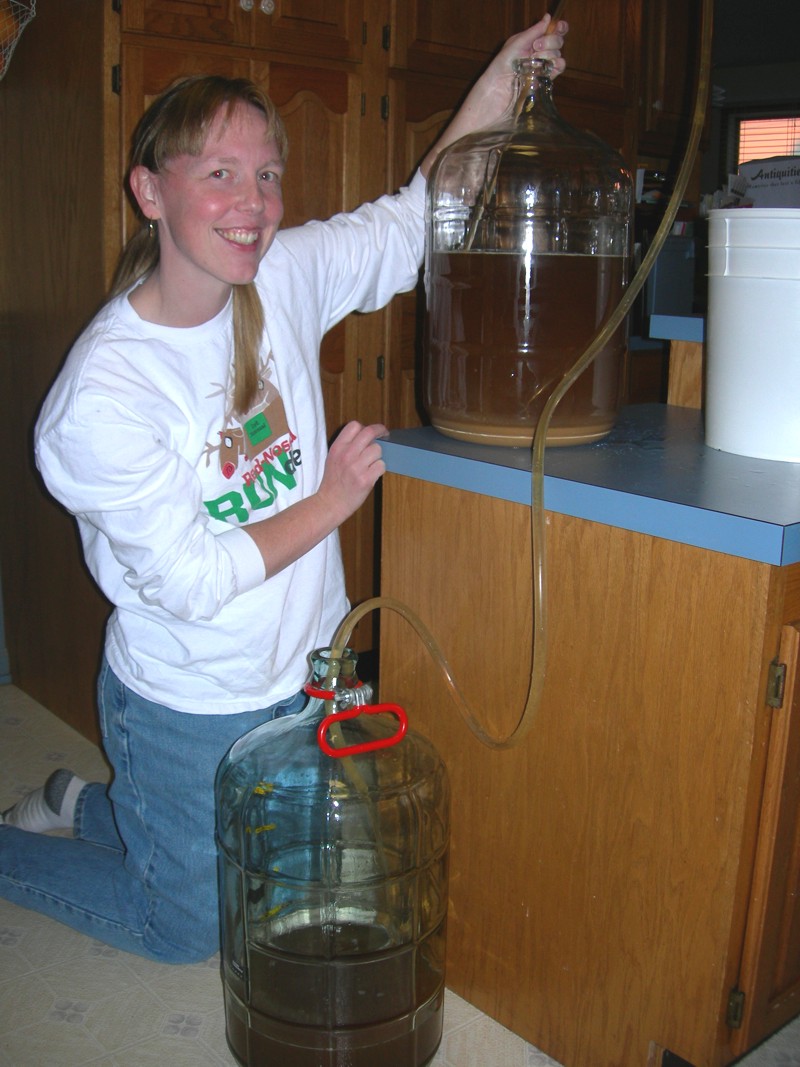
(538,548)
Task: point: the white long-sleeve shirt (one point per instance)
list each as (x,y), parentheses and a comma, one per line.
(138,440)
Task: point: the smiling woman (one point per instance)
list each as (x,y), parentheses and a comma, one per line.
(186,125)
(206,494)
(217,214)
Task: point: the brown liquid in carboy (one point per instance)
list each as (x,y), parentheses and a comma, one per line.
(356,1001)
(504,329)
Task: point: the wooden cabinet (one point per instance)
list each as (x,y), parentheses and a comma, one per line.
(670,42)
(598,91)
(332,29)
(216,21)
(55,103)
(325,28)
(437,39)
(625,880)
(768,991)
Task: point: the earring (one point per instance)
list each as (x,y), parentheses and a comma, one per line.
(152,229)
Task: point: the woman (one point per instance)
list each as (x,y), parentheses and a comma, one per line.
(186,433)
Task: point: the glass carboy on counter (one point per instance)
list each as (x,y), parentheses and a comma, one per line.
(528,244)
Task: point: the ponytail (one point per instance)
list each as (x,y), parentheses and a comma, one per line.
(139,257)
(248,330)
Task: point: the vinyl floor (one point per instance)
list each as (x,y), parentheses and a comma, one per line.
(69,1001)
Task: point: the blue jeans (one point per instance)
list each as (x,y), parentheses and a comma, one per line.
(141,872)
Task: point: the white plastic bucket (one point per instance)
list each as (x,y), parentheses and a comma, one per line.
(753,333)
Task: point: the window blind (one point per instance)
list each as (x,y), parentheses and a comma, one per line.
(762,138)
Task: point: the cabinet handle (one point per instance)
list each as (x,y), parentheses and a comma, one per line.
(266,6)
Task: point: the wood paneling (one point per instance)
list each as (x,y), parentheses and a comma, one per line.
(621,833)
(216,21)
(51,281)
(686,374)
(438,39)
(324,28)
(671,36)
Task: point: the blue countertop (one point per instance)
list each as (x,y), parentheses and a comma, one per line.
(653,475)
(678,327)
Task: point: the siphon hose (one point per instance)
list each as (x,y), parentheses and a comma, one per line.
(537,522)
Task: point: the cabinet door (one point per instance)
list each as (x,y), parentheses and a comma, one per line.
(420,105)
(324,28)
(315,105)
(670,37)
(598,89)
(51,278)
(320,106)
(770,976)
(441,39)
(599,46)
(218,21)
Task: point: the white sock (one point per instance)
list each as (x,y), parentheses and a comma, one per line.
(51,807)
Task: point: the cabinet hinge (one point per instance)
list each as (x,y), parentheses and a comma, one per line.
(380,367)
(386,37)
(116,79)
(735,1012)
(363,105)
(384,107)
(363,33)
(776,682)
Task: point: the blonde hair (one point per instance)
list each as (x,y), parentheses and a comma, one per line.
(175,124)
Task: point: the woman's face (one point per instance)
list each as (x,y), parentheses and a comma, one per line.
(217,212)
